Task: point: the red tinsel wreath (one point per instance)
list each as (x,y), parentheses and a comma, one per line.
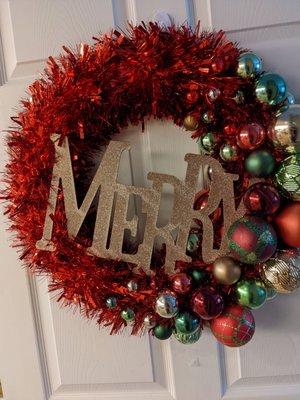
(92,93)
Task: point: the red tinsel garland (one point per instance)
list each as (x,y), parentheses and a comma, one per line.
(90,94)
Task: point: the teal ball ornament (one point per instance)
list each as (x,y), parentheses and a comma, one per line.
(188,338)
(251,240)
(270,89)
(249,65)
(251,293)
(193,243)
(111,302)
(162,332)
(260,163)
(186,322)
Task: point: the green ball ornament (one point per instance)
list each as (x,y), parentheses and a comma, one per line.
(228,152)
(111,302)
(188,338)
(249,65)
(251,293)
(270,89)
(198,276)
(127,315)
(207,143)
(287,177)
(186,322)
(193,243)
(162,332)
(260,163)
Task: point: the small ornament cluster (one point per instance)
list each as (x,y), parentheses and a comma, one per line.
(237,113)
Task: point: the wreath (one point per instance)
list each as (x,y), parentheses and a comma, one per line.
(218,93)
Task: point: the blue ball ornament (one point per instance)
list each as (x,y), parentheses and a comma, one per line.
(249,65)
(270,89)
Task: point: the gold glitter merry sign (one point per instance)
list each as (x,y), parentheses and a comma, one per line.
(111,218)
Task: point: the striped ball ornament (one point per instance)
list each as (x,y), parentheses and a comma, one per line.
(251,240)
(234,327)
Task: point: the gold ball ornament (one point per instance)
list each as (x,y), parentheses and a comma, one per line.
(190,123)
(226,270)
(282,272)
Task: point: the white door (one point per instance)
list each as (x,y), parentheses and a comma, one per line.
(51,353)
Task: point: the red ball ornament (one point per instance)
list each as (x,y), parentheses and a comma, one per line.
(201,201)
(207,303)
(250,136)
(218,65)
(235,327)
(287,224)
(261,198)
(181,283)
(251,240)
(192,96)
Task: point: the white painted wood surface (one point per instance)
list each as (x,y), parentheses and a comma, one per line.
(51,353)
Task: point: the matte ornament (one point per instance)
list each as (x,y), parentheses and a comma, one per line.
(260,163)
(288,177)
(111,302)
(250,136)
(226,270)
(234,327)
(261,199)
(251,240)
(181,283)
(270,89)
(249,65)
(188,338)
(162,332)
(128,315)
(190,123)
(250,293)
(186,322)
(282,272)
(287,224)
(207,304)
(166,305)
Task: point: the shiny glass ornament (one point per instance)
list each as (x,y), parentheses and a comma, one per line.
(270,89)
(261,199)
(162,332)
(239,97)
(207,303)
(128,314)
(290,98)
(208,117)
(166,305)
(226,270)
(149,321)
(286,129)
(230,129)
(198,276)
(260,163)
(249,65)
(207,142)
(213,94)
(287,224)
(186,322)
(181,283)
(228,152)
(111,302)
(193,243)
(190,123)
(188,338)
(132,286)
(234,327)
(250,293)
(192,96)
(282,272)
(287,177)
(251,240)
(250,136)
